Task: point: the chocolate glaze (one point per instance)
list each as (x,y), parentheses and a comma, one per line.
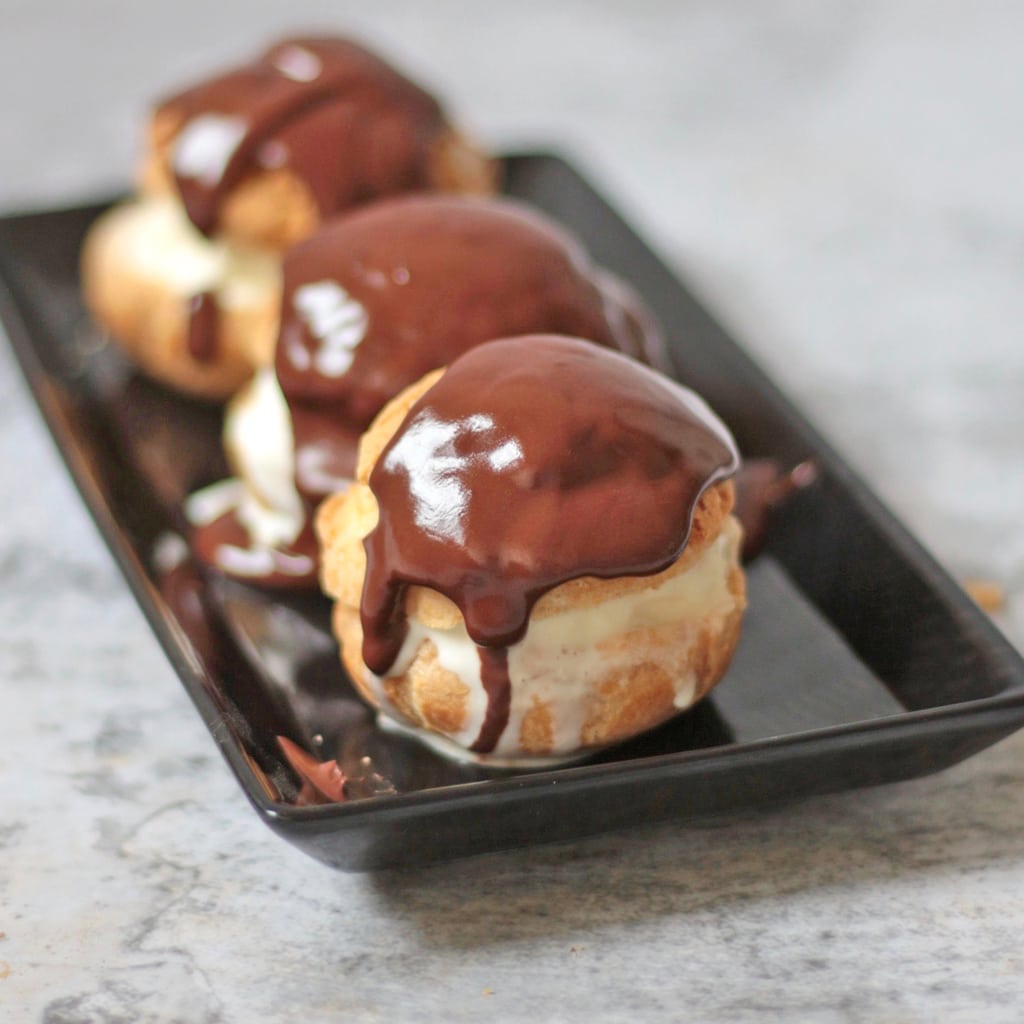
(202,327)
(384,295)
(341,119)
(533,461)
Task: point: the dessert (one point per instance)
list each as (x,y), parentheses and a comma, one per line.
(240,167)
(538,555)
(372,302)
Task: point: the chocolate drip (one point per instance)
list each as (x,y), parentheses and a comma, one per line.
(384,295)
(346,123)
(498,686)
(532,462)
(202,327)
(763,487)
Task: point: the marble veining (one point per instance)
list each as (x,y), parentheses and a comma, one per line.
(841,181)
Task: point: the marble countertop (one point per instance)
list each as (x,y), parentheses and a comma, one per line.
(842,182)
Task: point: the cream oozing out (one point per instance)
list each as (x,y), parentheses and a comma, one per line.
(258,439)
(260,445)
(564,657)
(258,432)
(164,245)
(267,528)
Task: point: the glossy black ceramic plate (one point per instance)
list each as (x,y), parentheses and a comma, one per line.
(861,661)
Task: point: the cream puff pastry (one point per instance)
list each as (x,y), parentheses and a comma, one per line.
(240,167)
(372,302)
(538,555)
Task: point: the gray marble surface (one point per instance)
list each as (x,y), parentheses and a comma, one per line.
(842,180)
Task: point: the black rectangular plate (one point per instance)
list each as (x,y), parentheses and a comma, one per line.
(861,662)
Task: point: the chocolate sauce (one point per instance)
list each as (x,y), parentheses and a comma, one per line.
(341,119)
(202,327)
(322,782)
(181,586)
(225,544)
(533,461)
(386,294)
(763,487)
(325,452)
(495,680)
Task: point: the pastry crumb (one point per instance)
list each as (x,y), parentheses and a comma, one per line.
(5,969)
(986,594)
(488,991)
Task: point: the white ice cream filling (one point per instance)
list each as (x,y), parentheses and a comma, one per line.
(563,657)
(164,244)
(258,436)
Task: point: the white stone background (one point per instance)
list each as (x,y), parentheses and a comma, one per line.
(842,182)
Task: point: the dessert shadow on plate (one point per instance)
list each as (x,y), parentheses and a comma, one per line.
(860,662)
